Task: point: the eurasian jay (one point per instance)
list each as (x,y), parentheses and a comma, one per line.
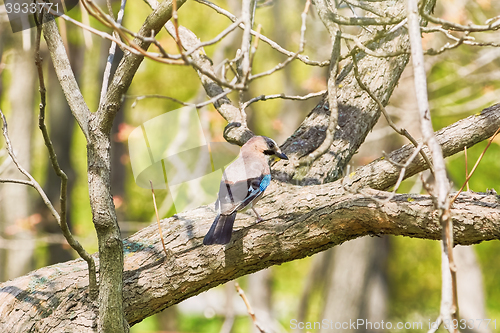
(243,183)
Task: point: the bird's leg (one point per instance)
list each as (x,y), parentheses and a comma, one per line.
(259,219)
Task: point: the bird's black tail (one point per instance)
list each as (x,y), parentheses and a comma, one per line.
(221,230)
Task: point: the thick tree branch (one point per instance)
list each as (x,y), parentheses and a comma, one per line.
(382,174)
(357,112)
(297,224)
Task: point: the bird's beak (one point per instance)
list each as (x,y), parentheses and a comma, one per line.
(281,155)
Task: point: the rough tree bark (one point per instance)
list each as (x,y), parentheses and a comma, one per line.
(297,223)
(358,113)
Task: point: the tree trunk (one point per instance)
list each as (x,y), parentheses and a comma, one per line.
(260,296)
(108,232)
(347,289)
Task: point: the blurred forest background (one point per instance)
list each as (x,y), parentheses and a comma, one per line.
(377,278)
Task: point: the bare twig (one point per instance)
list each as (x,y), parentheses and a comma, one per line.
(474,168)
(302,42)
(158,219)
(112,50)
(175,21)
(466,39)
(402,173)
(282,96)
(270,42)
(382,108)
(61,219)
(17,181)
(449,304)
(491,26)
(333,105)
(466,168)
(448,46)
(216,39)
(249,307)
(198,106)
(364,45)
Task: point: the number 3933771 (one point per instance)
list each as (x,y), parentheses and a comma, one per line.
(25,14)
(15,7)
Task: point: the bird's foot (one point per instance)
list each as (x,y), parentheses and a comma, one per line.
(259,219)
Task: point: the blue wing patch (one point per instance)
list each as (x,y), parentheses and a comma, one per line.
(264,183)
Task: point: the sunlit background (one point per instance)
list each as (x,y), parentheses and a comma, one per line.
(391,278)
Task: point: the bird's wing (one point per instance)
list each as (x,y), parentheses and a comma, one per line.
(244,168)
(236,196)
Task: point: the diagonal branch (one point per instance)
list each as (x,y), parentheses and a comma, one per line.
(62,221)
(65,74)
(298,224)
(449,301)
(382,174)
(112,51)
(357,112)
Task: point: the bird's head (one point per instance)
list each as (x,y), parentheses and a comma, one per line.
(265,146)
